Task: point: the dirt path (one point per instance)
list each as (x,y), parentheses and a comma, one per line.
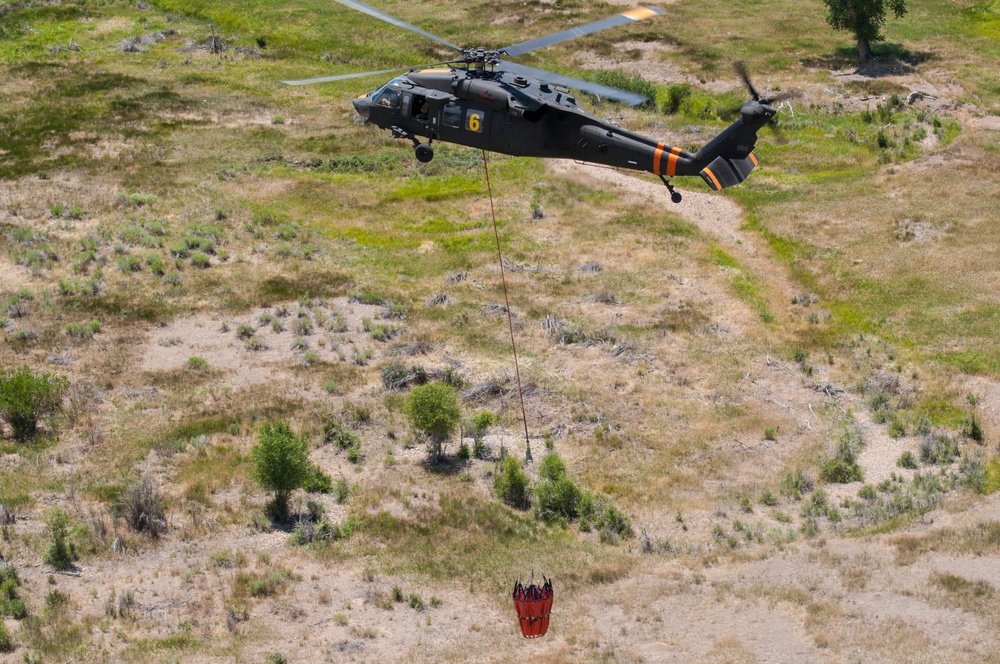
(717,217)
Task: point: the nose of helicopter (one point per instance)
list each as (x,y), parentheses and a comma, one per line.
(363,105)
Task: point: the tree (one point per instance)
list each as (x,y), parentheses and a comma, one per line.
(434,410)
(864,18)
(26,398)
(280,464)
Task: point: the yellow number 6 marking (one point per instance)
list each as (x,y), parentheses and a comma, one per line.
(474,120)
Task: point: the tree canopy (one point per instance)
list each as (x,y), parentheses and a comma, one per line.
(863,18)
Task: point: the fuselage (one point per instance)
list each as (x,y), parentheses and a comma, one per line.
(505,113)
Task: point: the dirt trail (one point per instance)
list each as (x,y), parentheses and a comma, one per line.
(716,216)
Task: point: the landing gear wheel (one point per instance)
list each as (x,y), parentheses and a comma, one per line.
(424,153)
(675,195)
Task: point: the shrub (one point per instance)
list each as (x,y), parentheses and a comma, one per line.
(767,498)
(478,425)
(11,605)
(25,398)
(129,264)
(842,468)
(61,553)
(200,260)
(938,449)
(434,410)
(317,481)
(302,327)
(907,460)
(339,434)
(155,263)
(83,331)
(971,428)
(795,484)
(143,507)
(342,491)
(196,363)
(510,484)
(256,343)
(7,643)
(280,464)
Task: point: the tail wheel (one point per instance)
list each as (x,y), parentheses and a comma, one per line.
(424,153)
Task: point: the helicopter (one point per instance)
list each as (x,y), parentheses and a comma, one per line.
(481,101)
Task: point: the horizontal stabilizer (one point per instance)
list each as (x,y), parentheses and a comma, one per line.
(722,173)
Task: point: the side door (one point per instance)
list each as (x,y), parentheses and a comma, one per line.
(465,125)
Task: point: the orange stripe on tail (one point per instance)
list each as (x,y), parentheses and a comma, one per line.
(656,159)
(672,161)
(715,180)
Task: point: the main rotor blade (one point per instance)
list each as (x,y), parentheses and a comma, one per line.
(388,18)
(619,19)
(630,98)
(342,77)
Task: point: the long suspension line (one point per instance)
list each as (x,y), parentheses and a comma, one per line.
(510,319)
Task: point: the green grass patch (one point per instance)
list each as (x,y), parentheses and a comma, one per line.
(747,288)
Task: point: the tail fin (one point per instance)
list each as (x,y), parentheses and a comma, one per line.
(723,172)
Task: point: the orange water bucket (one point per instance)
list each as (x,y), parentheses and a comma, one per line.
(533,605)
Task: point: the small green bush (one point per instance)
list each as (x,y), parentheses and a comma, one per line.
(61,553)
(317,481)
(11,604)
(129,264)
(843,468)
(511,484)
(196,363)
(200,260)
(907,460)
(26,398)
(972,429)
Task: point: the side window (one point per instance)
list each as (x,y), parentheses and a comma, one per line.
(406,104)
(452,116)
(389,98)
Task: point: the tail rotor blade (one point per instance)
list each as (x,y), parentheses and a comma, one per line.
(741,69)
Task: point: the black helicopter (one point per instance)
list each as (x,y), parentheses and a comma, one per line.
(484,102)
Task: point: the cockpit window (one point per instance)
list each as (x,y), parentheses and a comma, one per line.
(388,98)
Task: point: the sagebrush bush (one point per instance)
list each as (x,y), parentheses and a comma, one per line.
(907,460)
(26,398)
(796,484)
(339,434)
(143,508)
